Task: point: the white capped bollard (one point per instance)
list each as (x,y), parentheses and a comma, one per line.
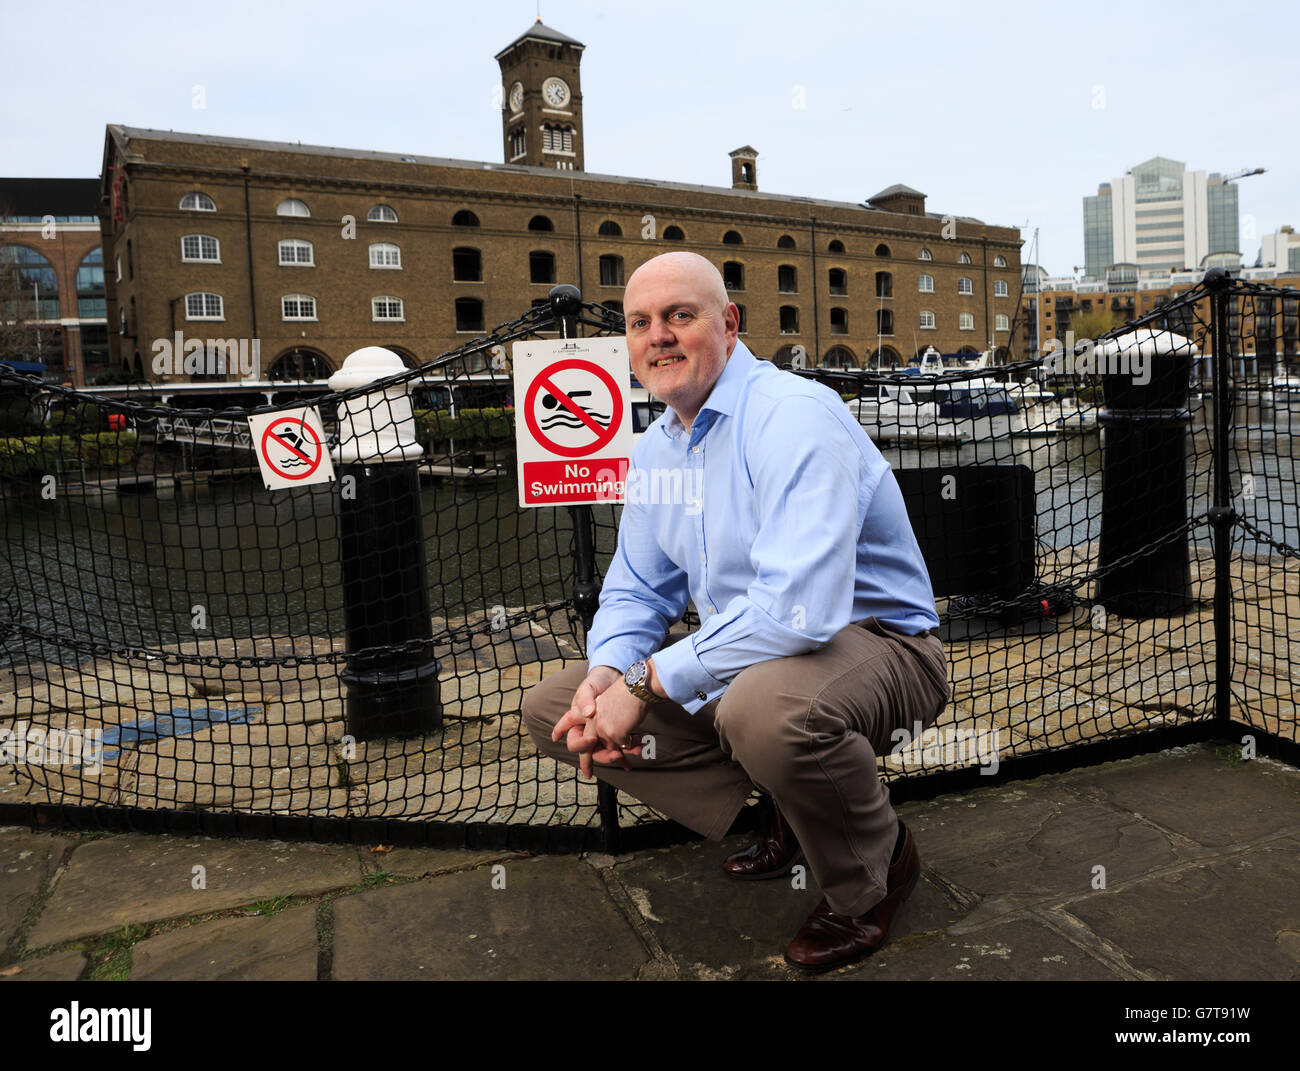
(393,689)
(378,426)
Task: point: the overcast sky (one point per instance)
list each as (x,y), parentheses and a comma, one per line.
(1010,112)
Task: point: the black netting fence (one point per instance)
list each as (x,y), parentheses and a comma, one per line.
(1111,534)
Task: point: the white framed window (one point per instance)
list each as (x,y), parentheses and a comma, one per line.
(999,288)
(999,261)
(119,269)
(385,255)
(298,307)
(925,284)
(291,206)
(965,286)
(966,321)
(204,305)
(387,308)
(1001,322)
(381,214)
(297,251)
(200,247)
(927,319)
(964,258)
(197,202)
(924,254)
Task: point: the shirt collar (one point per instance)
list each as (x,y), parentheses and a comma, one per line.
(722,399)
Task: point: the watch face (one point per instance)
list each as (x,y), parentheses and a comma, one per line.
(517,96)
(556,91)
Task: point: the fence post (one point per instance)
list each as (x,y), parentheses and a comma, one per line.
(381,545)
(566,304)
(1144,479)
(1222,515)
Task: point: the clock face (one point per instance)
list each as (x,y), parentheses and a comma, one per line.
(555,91)
(517,96)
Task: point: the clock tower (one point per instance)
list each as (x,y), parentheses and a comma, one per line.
(541,114)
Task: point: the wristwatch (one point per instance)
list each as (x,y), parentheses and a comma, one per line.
(635,678)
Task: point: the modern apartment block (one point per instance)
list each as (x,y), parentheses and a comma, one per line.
(1160,217)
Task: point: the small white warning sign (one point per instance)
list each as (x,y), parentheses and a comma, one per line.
(572,420)
(291,449)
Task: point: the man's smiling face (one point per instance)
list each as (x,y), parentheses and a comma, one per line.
(680,329)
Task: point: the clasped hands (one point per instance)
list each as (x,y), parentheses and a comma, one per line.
(599,724)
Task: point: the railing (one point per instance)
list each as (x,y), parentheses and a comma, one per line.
(1113,576)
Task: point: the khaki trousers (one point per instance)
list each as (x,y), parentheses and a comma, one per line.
(804,729)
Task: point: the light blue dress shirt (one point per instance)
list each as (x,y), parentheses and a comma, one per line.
(775,515)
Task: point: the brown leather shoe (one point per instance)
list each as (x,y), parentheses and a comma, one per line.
(828,940)
(775,853)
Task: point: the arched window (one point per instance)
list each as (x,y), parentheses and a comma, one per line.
(927,320)
(90,286)
(541,266)
(297,252)
(839,320)
(200,247)
(785,242)
(963,258)
(674,234)
(385,255)
(839,280)
(884,284)
(556,138)
(732,238)
(925,284)
(298,365)
(787,279)
(965,286)
(469,314)
(466,265)
(999,288)
(839,357)
(884,321)
(298,307)
(610,229)
(291,206)
(882,250)
(789,320)
(387,308)
(381,214)
(966,321)
(924,254)
(37,276)
(204,305)
(540,223)
(1001,322)
(464,218)
(835,246)
(611,270)
(999,261)
(197,202)
(733,275)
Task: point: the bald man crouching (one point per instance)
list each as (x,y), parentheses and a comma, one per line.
(817,636)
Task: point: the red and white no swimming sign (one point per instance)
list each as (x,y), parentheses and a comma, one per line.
(573,432)
(291,449)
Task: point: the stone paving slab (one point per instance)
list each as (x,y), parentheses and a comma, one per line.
(136,878)
(26,861)
(60,967)
(1199,795)
(421,862)
(1227,918)
(1019,950)
(553,920)
(280,947)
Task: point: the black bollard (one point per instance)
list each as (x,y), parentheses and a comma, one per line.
(1144,483)
(392,691)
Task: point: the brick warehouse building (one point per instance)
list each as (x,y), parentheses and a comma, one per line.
(319,251)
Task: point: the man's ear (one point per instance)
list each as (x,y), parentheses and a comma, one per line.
(731,317)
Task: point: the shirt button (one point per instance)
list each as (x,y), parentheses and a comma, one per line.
(712,610)
(695,449)
(702,556)
(701,696)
